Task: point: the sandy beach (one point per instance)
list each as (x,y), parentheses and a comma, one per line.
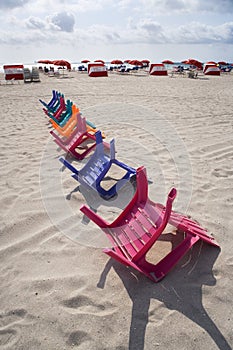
(58,289)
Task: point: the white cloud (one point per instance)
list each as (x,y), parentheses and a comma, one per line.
(145,31)
(11,4)
(188,6)
(225,31)
(224,6)
(106,23)
(35,23)
(149,31)
(144,6)
(63,21)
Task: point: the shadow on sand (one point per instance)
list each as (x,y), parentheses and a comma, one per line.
(181,290)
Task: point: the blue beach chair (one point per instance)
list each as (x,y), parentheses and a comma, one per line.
(96,169)
(53,103)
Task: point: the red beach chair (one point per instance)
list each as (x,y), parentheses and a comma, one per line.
(140,225)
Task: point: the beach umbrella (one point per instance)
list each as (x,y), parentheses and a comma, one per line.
(85,61)
(167,62)
(211,62)
(45,61)
(127,61)
(194,62)
(222,63)
(136,63)
(100,61)
(62,63)
(116,62)
(145,63)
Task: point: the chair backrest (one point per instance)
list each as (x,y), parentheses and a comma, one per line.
(81,124)
(27,74)
(80,129)
(35,74)
(60,109)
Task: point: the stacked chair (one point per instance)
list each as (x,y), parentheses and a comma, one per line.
(71,131)
(143,221)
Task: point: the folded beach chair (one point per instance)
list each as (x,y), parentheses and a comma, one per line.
(80,142)
(27,75)
(52,102)
(64,108)
(35,75)
(93,174)
(140,225)
(69,123)
(52,107)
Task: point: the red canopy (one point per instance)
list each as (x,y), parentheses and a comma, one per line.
(223,63)
(85,61)
(136,63)
(116,62)
(101,61)
(145,63)
(62,63)
(211,62)
(167,62)
(194,62)
(45,61)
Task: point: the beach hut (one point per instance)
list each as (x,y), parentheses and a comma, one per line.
(157,69)
(211,69)
(97,69)
(14,72)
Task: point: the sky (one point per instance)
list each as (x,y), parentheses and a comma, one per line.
(74,30)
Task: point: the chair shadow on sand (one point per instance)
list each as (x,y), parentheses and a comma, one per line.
(180,290)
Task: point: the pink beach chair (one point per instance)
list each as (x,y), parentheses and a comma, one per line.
(140,225)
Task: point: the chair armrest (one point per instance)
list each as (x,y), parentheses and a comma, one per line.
(93,216)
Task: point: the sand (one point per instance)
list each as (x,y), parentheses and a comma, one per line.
(58,290)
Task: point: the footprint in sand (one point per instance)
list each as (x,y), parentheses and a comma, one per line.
(83,304)
(8,337)
(76,338)
(222,172)
(8,333)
